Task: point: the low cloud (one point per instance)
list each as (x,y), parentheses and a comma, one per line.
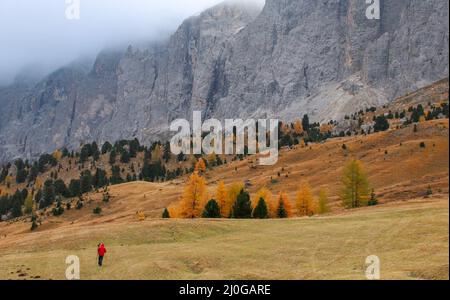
(36,35)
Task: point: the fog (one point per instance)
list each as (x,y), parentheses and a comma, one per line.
(42,35)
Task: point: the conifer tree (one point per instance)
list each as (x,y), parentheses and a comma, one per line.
(260,211)
(166,214)
(373,199)
(284,206)
(221,196)
(281,211)
(212,210)
(233,191)
(323,202)
(272,204)
(242,208)
(355,191)
(200,166)
(194,197)
(305,201)
(106,147)
(75,188)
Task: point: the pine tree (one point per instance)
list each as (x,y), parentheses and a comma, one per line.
(305,201)
(305,122)
(355,192)
(112,157)
(106,147)
(167,154)
(125,157)
(194,197)
(242,208)
(34,224)
(86,181)
(212,210)
(48,194)
(233,191)
(100,179)
(166,214)
(61,188)
(116,178)
(373,199)
(284,209)
(323,202)
(272,205)
(260,211)
(75,188)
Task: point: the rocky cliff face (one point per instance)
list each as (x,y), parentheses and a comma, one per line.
(324,58)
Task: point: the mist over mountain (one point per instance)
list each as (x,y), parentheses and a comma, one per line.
(324,58)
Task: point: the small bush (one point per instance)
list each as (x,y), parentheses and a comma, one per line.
(97,210)
(422,145)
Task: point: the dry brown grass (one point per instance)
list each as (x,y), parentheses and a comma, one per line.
(411,239)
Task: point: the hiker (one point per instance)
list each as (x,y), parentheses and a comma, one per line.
(101,253)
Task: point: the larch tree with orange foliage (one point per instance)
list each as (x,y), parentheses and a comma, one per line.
(221,198)
(194,197)
(232,193)
(298,127)
(284,208)
(200,166)
(305,201)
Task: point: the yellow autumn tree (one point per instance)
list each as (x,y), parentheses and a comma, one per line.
(266,194)
(298,127)
(355,192)
(174,211)
(221,198)
(325,128)
(29,204)
(284,208)
(157,153)
(200,166)
(57,154)
(194,197)
(233,191)
(322,207)
(211,159)
(305,201)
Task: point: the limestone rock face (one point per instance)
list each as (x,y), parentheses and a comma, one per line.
(324,58)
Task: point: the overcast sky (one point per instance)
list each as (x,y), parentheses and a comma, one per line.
(38,32)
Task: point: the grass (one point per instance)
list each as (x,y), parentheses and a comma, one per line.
(410,238)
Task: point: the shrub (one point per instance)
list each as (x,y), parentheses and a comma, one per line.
(422,145)
(97,210)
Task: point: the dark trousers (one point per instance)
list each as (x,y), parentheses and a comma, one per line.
(100,260)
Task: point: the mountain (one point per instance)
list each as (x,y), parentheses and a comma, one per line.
(324,58)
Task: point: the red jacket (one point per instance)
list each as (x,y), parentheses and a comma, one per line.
(101,250)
